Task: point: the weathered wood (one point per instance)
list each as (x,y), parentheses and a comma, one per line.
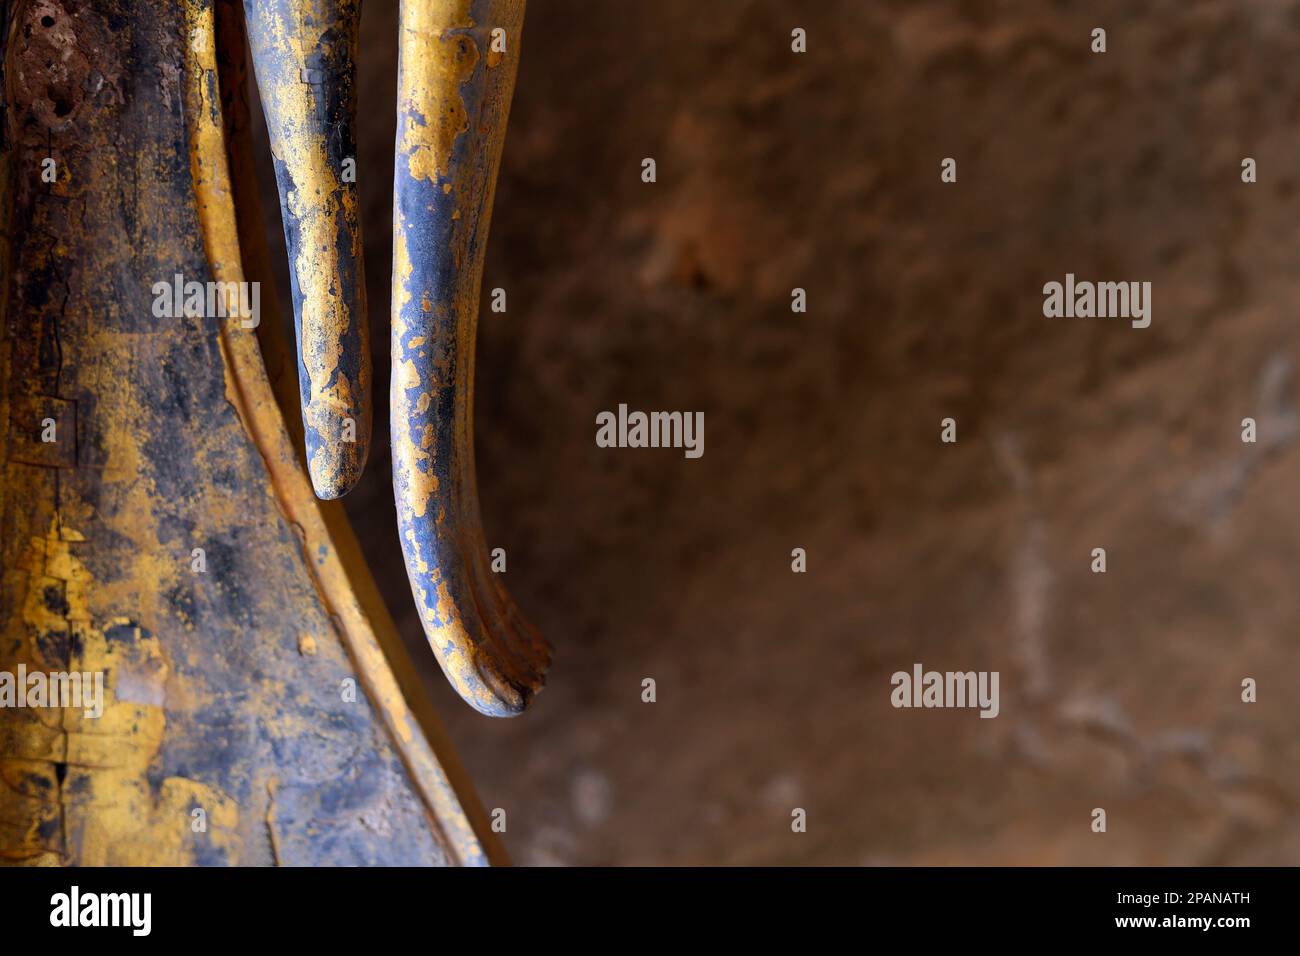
(456,74)
(304,55)
(225,688)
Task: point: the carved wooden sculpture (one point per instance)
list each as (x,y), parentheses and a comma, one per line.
(455,77)
(156,522)
(304,54)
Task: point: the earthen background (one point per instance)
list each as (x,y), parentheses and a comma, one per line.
(821,171)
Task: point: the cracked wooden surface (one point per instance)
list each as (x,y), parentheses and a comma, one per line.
(170,440)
